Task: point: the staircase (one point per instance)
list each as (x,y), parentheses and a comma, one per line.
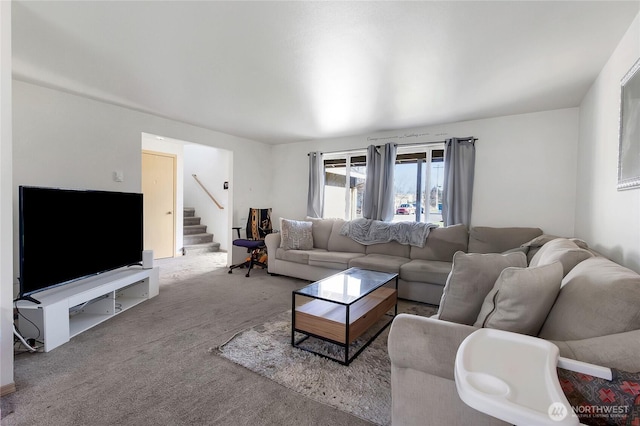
(196,239)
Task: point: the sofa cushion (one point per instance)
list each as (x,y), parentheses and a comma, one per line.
(295,235)
(472,277)
(379,262)
(427,271)
(392,248)
(339,242)
(296,256)
(545,238)
(535,244)
(332,259)
(598,297)
(562,250)
(321,230)
(485,239)
(521,299)
(442,243)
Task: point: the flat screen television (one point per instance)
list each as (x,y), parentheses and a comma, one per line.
(68,234)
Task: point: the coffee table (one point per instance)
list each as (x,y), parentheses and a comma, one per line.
(341,308)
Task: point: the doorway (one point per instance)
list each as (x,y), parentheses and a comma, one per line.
(159,190)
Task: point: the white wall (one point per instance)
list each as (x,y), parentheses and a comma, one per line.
(605,216)
(211,165)
(69,141)
(6,208)
(525,168)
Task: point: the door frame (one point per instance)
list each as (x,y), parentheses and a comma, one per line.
(174,183)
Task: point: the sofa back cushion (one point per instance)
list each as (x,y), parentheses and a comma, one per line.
(392,248)
(485,239)
(442,244)
(561,250)
(321,230)
(339,242)
(598,297)
(472,276)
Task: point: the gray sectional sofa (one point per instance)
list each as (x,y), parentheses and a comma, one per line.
(422,271)
(593,316)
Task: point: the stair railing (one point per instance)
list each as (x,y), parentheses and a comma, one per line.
(208,193)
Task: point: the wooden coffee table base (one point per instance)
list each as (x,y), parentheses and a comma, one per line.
(342,324)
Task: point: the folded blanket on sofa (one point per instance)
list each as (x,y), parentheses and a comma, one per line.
(369,231)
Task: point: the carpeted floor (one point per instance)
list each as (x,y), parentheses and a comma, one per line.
(363,388)
(152,365)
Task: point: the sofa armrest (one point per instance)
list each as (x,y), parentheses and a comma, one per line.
(618,350)
(426,344)
(272,241)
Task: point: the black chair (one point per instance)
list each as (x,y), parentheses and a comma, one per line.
(258,226)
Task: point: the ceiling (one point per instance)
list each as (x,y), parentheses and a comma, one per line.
(280,72)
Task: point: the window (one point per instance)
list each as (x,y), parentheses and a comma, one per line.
(418,180)
(344,185)
(419,175)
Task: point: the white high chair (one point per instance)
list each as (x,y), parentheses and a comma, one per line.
(513,377)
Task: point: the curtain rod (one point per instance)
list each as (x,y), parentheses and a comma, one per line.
(397,144)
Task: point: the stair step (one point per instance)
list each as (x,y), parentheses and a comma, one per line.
(198,239)
(187,221)
(201,248)
(194,229)
(189,212)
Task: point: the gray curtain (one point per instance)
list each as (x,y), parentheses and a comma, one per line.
(378,202)
(315,197)
(457,191)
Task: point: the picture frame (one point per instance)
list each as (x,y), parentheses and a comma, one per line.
(629,143)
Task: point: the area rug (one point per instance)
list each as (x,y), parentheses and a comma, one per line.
(363,388)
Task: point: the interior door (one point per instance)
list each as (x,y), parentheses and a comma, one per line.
(159,189)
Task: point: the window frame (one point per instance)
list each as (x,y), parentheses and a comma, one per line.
(424,150)
(347,156)
(428,150)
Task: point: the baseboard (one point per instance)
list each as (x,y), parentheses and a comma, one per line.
(7,389)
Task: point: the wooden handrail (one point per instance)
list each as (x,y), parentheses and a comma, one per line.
(208,193)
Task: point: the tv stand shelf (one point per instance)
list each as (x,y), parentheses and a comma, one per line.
(68,310)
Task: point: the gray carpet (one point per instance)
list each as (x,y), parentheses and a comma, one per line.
(151,365)
(363,388)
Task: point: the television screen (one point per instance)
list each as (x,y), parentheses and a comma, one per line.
(70,234)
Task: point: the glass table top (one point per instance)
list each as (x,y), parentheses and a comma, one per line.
(348,286)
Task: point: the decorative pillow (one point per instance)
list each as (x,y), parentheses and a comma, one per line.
(598,401)
(472,276)
(535,244)
(545,238)
(580,243)
(563,250)
(296,235)
(521,299)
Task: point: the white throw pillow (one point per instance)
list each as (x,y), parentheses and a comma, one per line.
(521,299)
(296,235)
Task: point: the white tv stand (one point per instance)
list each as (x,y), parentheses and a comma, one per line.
(68,310)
